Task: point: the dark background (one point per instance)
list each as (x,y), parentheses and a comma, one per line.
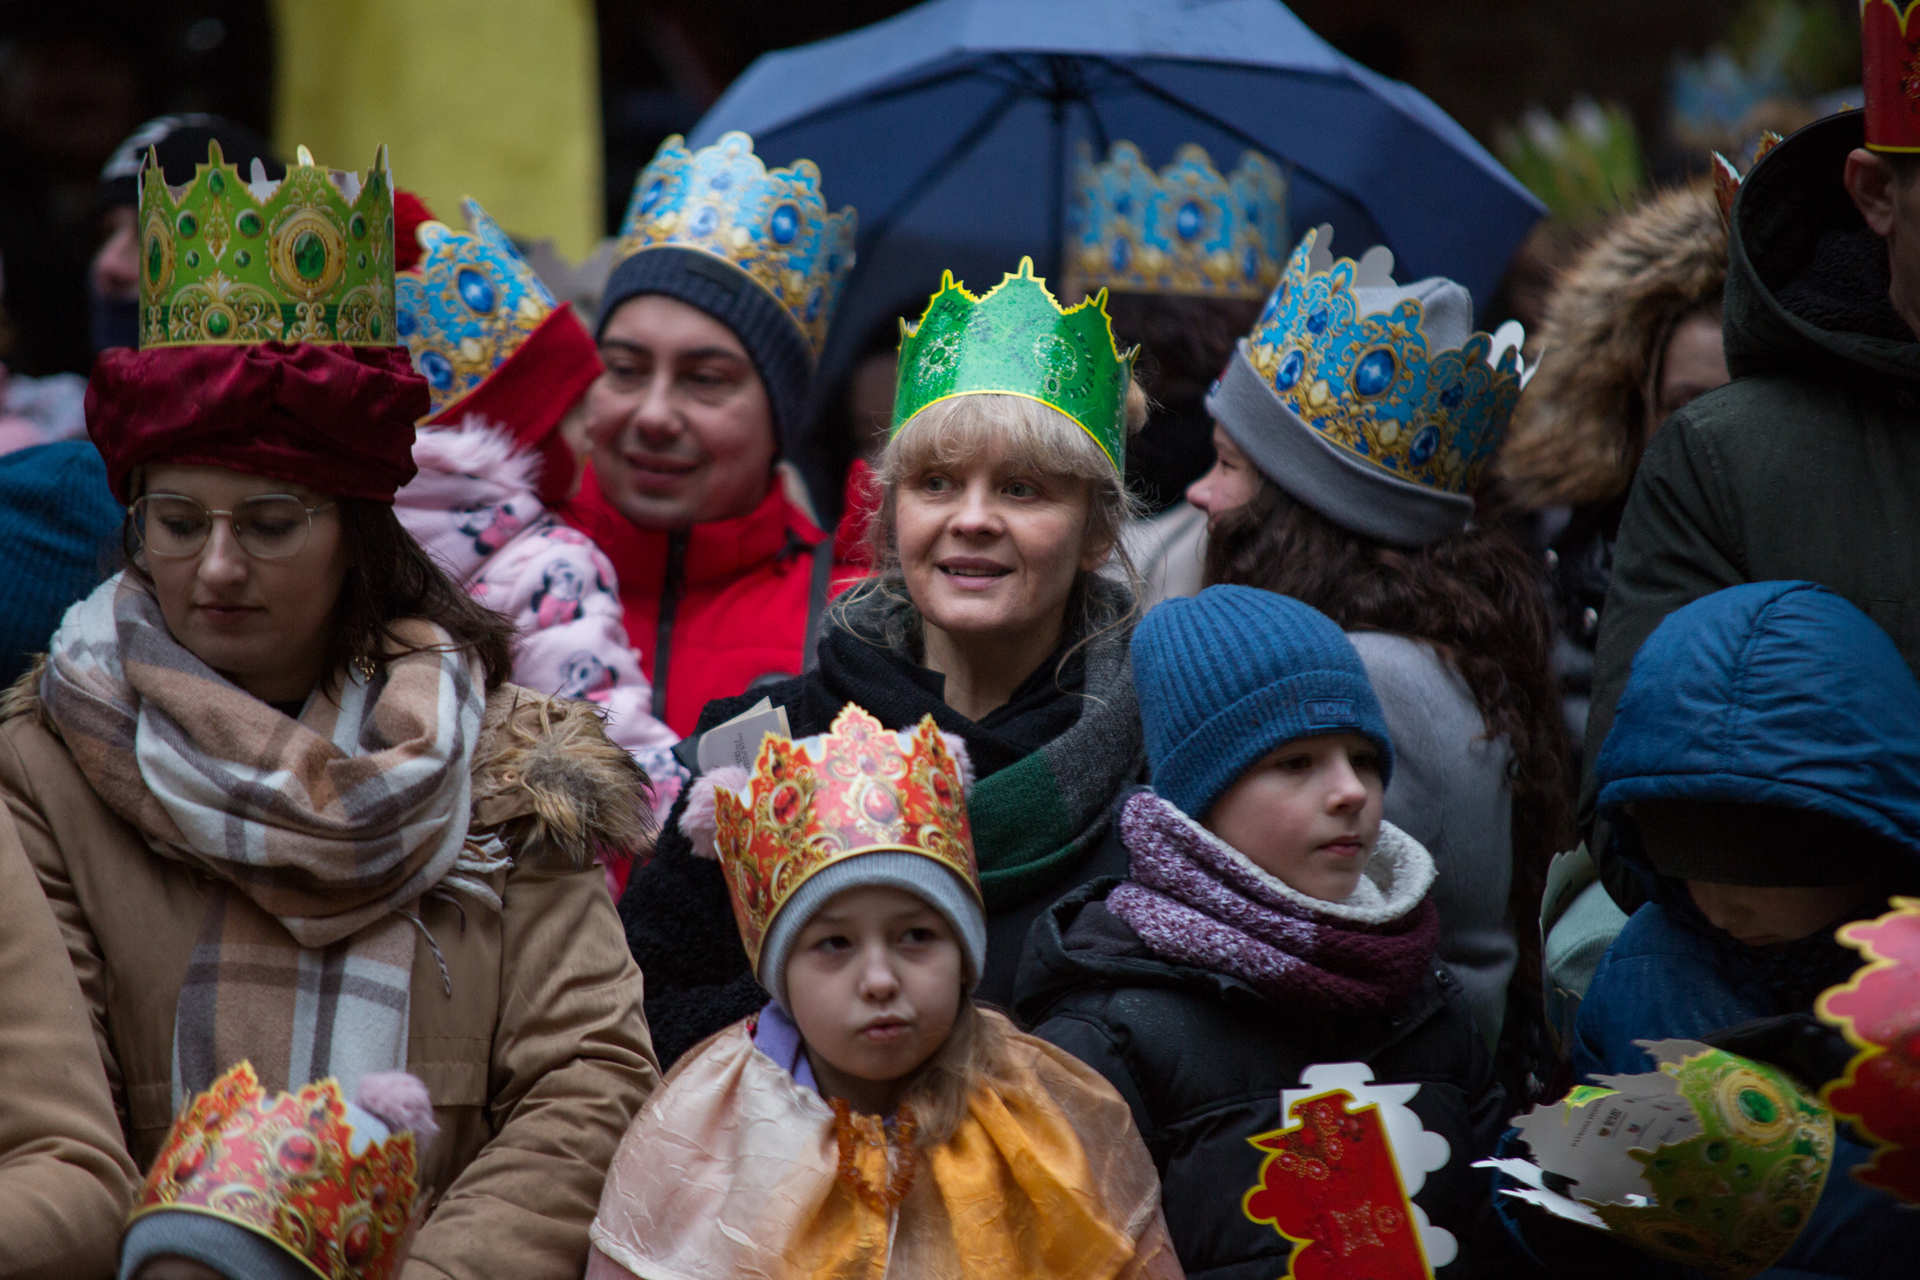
(76,76)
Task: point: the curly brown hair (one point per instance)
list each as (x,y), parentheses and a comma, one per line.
(1481,601)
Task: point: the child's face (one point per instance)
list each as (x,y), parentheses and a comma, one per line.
(1768,916)
(874,981)
(1307,812)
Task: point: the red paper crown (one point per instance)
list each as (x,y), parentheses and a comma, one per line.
(283,1167)
(1878,1010)
(859,788)
(1890,73)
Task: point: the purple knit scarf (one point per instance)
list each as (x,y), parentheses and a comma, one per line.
(1193,900)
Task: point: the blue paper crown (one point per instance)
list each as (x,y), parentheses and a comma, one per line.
(1184,230)
(1370,386)
(772,224)
(468,304)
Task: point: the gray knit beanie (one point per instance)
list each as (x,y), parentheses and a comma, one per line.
(913,873)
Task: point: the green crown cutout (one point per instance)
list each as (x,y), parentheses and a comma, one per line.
(305,259)
(1018,341)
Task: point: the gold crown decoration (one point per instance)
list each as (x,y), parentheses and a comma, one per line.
(1184,230)
(858,788)
(285,1167)
(306,259)
(772,225)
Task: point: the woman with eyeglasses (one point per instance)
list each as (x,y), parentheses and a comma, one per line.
(271,777)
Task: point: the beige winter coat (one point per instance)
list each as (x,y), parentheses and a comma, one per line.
(536,1062)
(65,1179)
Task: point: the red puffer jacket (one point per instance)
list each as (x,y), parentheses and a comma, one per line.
(719,605)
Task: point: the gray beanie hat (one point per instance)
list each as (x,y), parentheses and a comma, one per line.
(914,873)
(1325,337)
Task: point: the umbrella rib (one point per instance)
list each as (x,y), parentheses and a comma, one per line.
(1248,140)
(872,231)
(875,97)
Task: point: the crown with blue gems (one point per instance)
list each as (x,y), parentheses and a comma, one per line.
(468,304)
(771,224)
(1372,385)
(1184,230)
(306,259)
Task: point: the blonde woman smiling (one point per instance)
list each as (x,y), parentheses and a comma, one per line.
(1001,498)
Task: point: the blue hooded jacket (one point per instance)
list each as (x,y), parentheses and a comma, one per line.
(1778,693)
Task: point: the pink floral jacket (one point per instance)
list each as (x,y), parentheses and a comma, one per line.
(473,507)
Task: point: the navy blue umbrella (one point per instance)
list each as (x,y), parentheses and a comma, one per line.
(951,128)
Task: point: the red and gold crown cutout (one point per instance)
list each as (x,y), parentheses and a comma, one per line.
(1878,1010)
(283,1167)
(858,788)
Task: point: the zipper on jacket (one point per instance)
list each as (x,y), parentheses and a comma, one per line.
(670,593)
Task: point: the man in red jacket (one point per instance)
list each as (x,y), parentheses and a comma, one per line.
(710,328)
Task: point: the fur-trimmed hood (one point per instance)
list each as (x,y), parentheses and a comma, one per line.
(1576,432)
(546,779)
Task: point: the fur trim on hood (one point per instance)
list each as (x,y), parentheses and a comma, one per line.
(1577,432)
(478,448)
(551,783)
(546,779)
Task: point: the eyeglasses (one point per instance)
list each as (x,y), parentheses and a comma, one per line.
(269,527)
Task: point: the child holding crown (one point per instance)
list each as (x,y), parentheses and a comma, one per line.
(871,1120)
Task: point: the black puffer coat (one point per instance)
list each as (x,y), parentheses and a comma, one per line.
(1807,465)
(1201,1057)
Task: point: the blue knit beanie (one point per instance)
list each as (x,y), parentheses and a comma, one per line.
(1228,675)
(57,521)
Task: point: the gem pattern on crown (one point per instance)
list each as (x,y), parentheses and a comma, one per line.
(858,788)
(772,224)
(467,305)
(306,259)
(1018,340)
(1184,230)
(285,1167)
(1368,384)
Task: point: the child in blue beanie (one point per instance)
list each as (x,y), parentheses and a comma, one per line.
(1274,940)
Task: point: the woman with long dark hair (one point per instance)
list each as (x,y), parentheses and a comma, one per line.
(1350,430)
(271,777)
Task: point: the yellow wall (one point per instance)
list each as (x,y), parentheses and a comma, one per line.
(494,99)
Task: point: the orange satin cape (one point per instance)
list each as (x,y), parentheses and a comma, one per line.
(730,1172)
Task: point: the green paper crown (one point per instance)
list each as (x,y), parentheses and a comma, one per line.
(1018,341)
(307,259)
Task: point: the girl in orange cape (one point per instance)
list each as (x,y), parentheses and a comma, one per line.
(872,1120)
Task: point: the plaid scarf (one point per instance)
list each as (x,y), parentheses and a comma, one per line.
(1194,899)
(320,833)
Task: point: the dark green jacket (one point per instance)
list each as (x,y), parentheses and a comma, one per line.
(1806,465)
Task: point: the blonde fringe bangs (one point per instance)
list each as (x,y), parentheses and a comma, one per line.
(1038,437)
(950,432)
(1044,442)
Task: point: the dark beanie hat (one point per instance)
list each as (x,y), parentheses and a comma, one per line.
(180,142)
(778,350)
(1226,676)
